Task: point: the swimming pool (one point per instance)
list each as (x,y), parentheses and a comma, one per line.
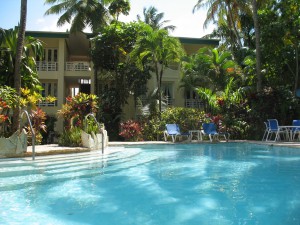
(228,183)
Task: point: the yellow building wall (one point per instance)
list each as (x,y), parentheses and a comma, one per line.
(64,78)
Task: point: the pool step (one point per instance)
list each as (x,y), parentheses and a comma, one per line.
(22,173)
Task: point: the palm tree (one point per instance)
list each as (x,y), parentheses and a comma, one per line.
(80,13)
(224,12)
(118,7)
(257,45)
(8,50)
(154,19)
(158,49)
(208,68)
(18,58)
(27,74)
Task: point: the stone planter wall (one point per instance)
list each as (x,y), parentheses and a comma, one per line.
(14,145)
(94,141)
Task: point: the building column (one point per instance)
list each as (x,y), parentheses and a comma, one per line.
(61,81)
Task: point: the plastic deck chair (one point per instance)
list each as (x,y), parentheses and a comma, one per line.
(266,133)
(173,130)
(210,129)
(275,129)
(295,130)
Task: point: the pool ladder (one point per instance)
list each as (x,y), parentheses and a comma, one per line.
(32,132)
(99,127)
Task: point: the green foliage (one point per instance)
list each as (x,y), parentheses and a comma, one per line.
(209,68)
(91,126)
(74,112)
(187,118)
(70,137)
(48,137)
(76,108)
(154,19)
(118,76)
(8,49)
(80,14)
(157,49)
(119,6)
(38,118)
(278,103)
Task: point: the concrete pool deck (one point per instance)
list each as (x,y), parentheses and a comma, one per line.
(53,149)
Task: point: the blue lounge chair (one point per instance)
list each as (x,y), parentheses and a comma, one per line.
(173,130)
(274,128)
(210,130)
(295,130)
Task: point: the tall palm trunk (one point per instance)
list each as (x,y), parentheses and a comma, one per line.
(257,44)
(158,86)
(18,60)
(297,69)
(236,33)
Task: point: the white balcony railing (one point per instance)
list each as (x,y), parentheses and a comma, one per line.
(193,103)
(46,103)
(46,66)
(77,66)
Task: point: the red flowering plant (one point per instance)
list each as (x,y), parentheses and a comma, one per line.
(3,107)
(38,118)
(8,100)
(3,115)
(131,130)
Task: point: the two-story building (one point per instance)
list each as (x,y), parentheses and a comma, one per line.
(66,69)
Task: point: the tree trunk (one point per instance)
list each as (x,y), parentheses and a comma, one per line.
(18,60)
(160,83)
(297,69)
(233,26)
(257,45)
(158,86)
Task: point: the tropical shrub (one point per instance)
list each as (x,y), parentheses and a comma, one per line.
(70,137)
(187,118)
(76,109)
(131,131)
(38,118)
(278,103)
(8,101)
(3,116)
(49,136)
(74,112)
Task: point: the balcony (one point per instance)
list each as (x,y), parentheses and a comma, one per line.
(46,66)
(46,103)
(193,103)
(78,66)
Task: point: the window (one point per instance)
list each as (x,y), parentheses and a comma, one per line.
(167,91)
(192,100)
(49,60)
(49,89)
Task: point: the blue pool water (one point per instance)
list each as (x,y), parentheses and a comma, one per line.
(228,183)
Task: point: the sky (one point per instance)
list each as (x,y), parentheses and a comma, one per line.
(179,12)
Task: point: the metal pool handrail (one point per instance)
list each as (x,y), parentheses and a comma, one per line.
(100,130)
(32,133)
